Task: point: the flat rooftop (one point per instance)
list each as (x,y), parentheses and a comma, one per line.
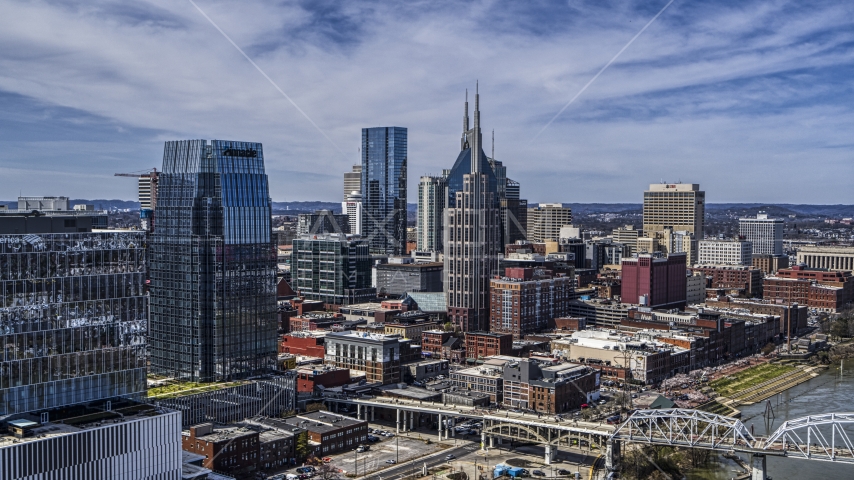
(78,418)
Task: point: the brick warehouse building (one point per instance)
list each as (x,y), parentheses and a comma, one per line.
(655,281)
(523,302)
(552,389)
(828,291)
(745,280)
(486,344)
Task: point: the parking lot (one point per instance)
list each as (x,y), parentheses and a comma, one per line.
(398,449)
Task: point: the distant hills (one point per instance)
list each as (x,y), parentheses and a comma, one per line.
(294,208)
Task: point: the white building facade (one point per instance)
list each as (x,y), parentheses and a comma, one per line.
(765,233)
(725,252)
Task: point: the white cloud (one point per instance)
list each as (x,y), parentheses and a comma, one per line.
(734,97)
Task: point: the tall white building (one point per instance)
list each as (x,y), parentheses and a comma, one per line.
(352,207)
(431,204)
(765,233)
(737,251)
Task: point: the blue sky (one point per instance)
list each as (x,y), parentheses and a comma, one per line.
(751,99)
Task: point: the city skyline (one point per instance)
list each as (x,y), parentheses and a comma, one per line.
(704,91)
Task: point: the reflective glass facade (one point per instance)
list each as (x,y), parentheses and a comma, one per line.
(384,154)
(73,317)
(213,263)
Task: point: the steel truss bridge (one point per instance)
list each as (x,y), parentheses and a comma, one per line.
(825,437)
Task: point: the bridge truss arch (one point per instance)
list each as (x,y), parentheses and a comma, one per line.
(816,437)
(685,428)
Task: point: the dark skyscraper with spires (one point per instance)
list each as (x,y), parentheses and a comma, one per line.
(472,230)
(213,265)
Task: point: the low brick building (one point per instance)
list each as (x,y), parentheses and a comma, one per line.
(232,450)
(828,291)
(550,389)
(302,344)
(744,281)
(329,432)
(432,341)
(486,344)
(523,302)
(327,376)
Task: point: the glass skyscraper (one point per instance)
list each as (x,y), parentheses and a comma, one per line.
(73,317)
(384,155)
(212,263)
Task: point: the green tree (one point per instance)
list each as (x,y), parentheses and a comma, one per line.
(314,407)
(301,446)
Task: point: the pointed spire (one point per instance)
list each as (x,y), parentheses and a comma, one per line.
(476,139)
(464,140)
(493,144)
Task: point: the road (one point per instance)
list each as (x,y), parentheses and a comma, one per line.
(399,471)
(436,408)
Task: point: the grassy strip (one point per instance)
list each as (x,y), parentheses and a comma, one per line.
(750,377)
(186,388)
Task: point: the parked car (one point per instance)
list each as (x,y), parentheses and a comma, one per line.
(391,461)
(372,438)
(563,471)
(538,473)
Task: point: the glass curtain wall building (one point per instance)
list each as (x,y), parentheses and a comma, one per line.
(384,157)
(213,263)
(73,317)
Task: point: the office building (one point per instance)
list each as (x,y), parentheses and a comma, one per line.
(329,433)
(71,298)
(402,274)
(353,181)
(820,289)
(487,344)
(332,268)
(56,204)
(769,264)
(831,258)
(627,236)
(213,267)
(735,251)
(679,206)
(472,233)
(766,234)
(735,280)
(384,160)
(431,206)
(486,378)
(546,220)
(655,281)
(322,221)
(523,303)
(351,207)
(600,312)
(147,191)
(695,287)
(552,389)
(378,356)
(513,210)
(105,440)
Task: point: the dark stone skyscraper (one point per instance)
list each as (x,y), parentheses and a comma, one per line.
(212,262)
(472,231)
(384,155)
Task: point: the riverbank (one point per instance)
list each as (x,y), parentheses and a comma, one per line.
(758,383)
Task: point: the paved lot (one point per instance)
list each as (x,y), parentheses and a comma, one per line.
(399,448)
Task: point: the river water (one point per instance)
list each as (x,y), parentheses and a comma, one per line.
(830,392)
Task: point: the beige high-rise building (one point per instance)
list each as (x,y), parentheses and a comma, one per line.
(678,206)
(353,181)
(627,235)
(545,221)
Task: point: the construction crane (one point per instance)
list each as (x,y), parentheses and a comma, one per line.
(147,194)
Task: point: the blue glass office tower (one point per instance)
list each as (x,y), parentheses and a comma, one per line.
(384,189)
(212,263)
